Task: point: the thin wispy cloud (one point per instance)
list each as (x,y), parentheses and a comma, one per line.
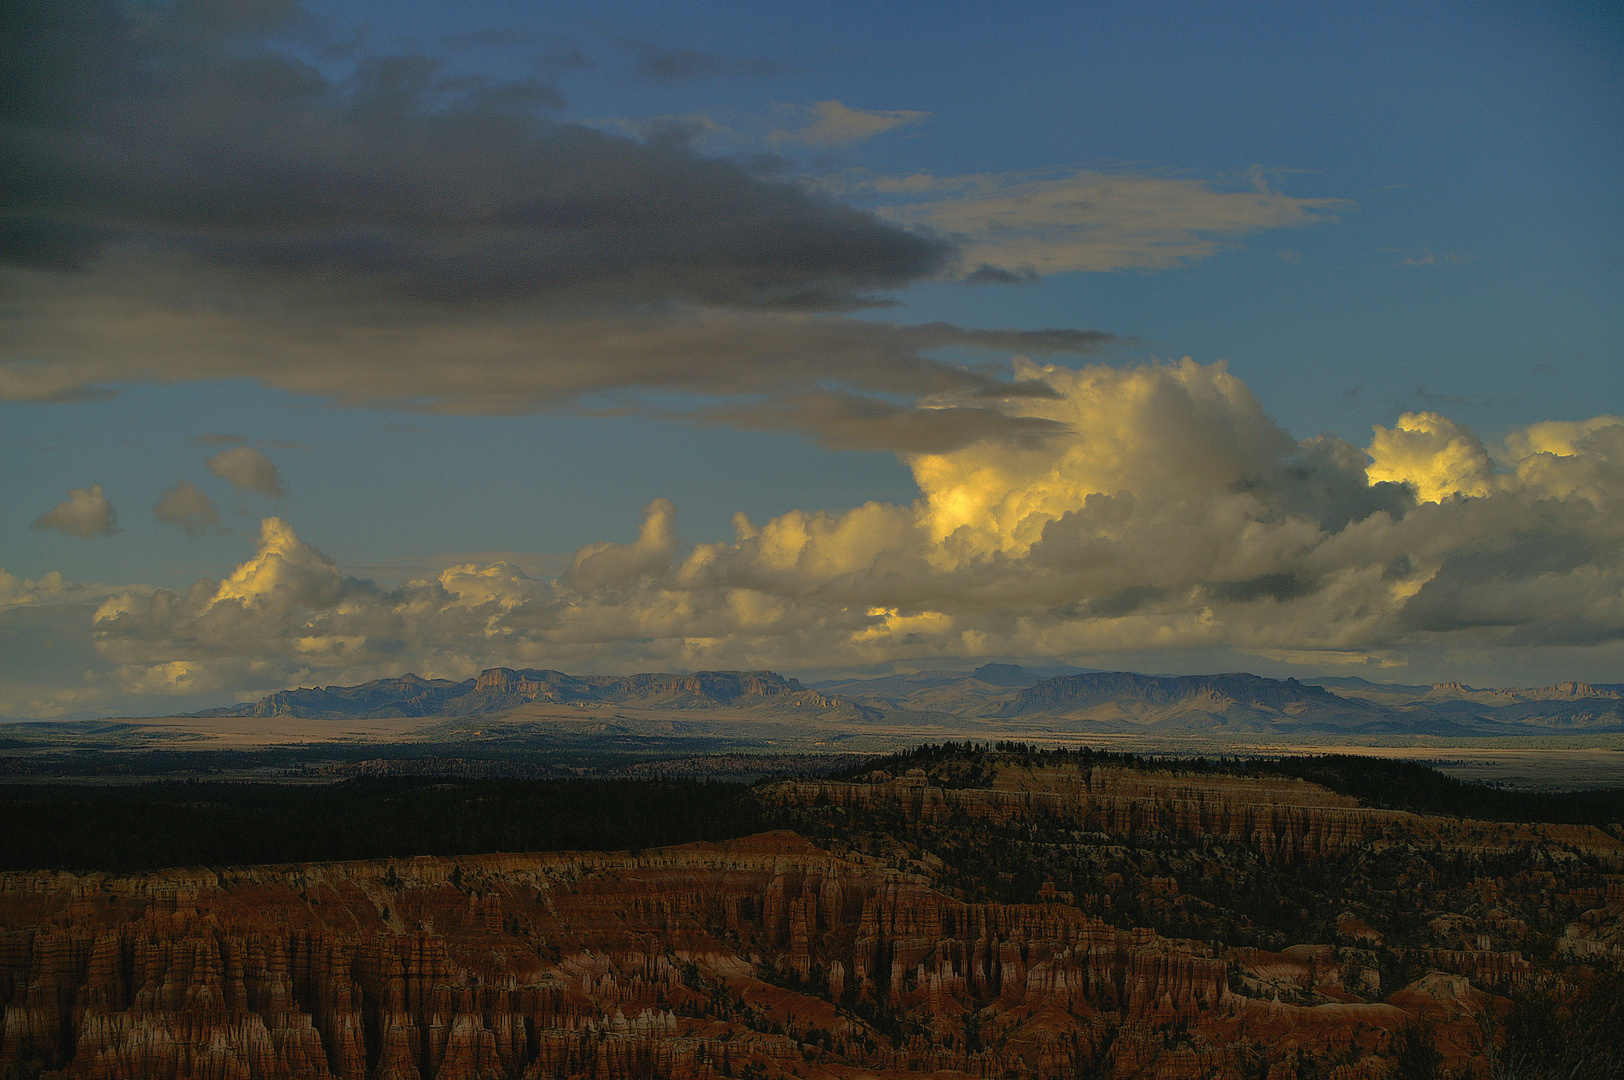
(1012,227)
(830,123)
(1427,258)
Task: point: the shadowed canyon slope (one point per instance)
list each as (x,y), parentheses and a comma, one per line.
(994,915)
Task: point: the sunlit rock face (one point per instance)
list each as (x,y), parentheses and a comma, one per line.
(773,956)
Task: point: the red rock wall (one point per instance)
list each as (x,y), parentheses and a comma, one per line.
(669,964)
(746,959)
(1283,819)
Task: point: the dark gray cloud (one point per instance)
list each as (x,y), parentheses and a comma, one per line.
(1280,587)
(174,127)
(1325,480)
(1551,579)
(673,132)
(854,422)
(181,198)
(997,275)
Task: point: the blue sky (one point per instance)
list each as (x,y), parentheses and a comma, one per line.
(482,283)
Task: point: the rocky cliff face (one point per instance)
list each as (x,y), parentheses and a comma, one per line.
(1282,819)
(698,961)
(772,956)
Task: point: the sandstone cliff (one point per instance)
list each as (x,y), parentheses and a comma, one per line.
(699,961)
(695,961)
(773,956)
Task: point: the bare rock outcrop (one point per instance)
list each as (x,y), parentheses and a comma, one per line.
(706,960)
(771,956)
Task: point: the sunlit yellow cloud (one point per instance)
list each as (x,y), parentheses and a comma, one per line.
(1171,514)
(1432,454)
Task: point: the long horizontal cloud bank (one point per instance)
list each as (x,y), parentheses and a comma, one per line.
(1171,514)
(185,197)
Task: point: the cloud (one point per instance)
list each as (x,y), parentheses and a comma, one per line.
(604,565)
(674,132)
(474,362)
(247,470)
(1427,258)
(1434,455)
(189,507)
(1014,226)
(400,184)
(1158,513)
(177,132)
(993,275)
(852,422)
(192,201)
(17,592)
(829,123)
(690,65)
(86,513)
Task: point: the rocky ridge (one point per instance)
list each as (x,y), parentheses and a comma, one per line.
(668,963)
(994,694)
(775,956)
(500,690)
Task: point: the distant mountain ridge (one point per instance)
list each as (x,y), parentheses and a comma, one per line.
(991,696)
(1124,687)
(499,690)
(1189,704)
(1565,706)
(1238,702)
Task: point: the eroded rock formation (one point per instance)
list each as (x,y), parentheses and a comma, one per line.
(773,956)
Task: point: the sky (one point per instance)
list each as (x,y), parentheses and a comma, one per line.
(345,339)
